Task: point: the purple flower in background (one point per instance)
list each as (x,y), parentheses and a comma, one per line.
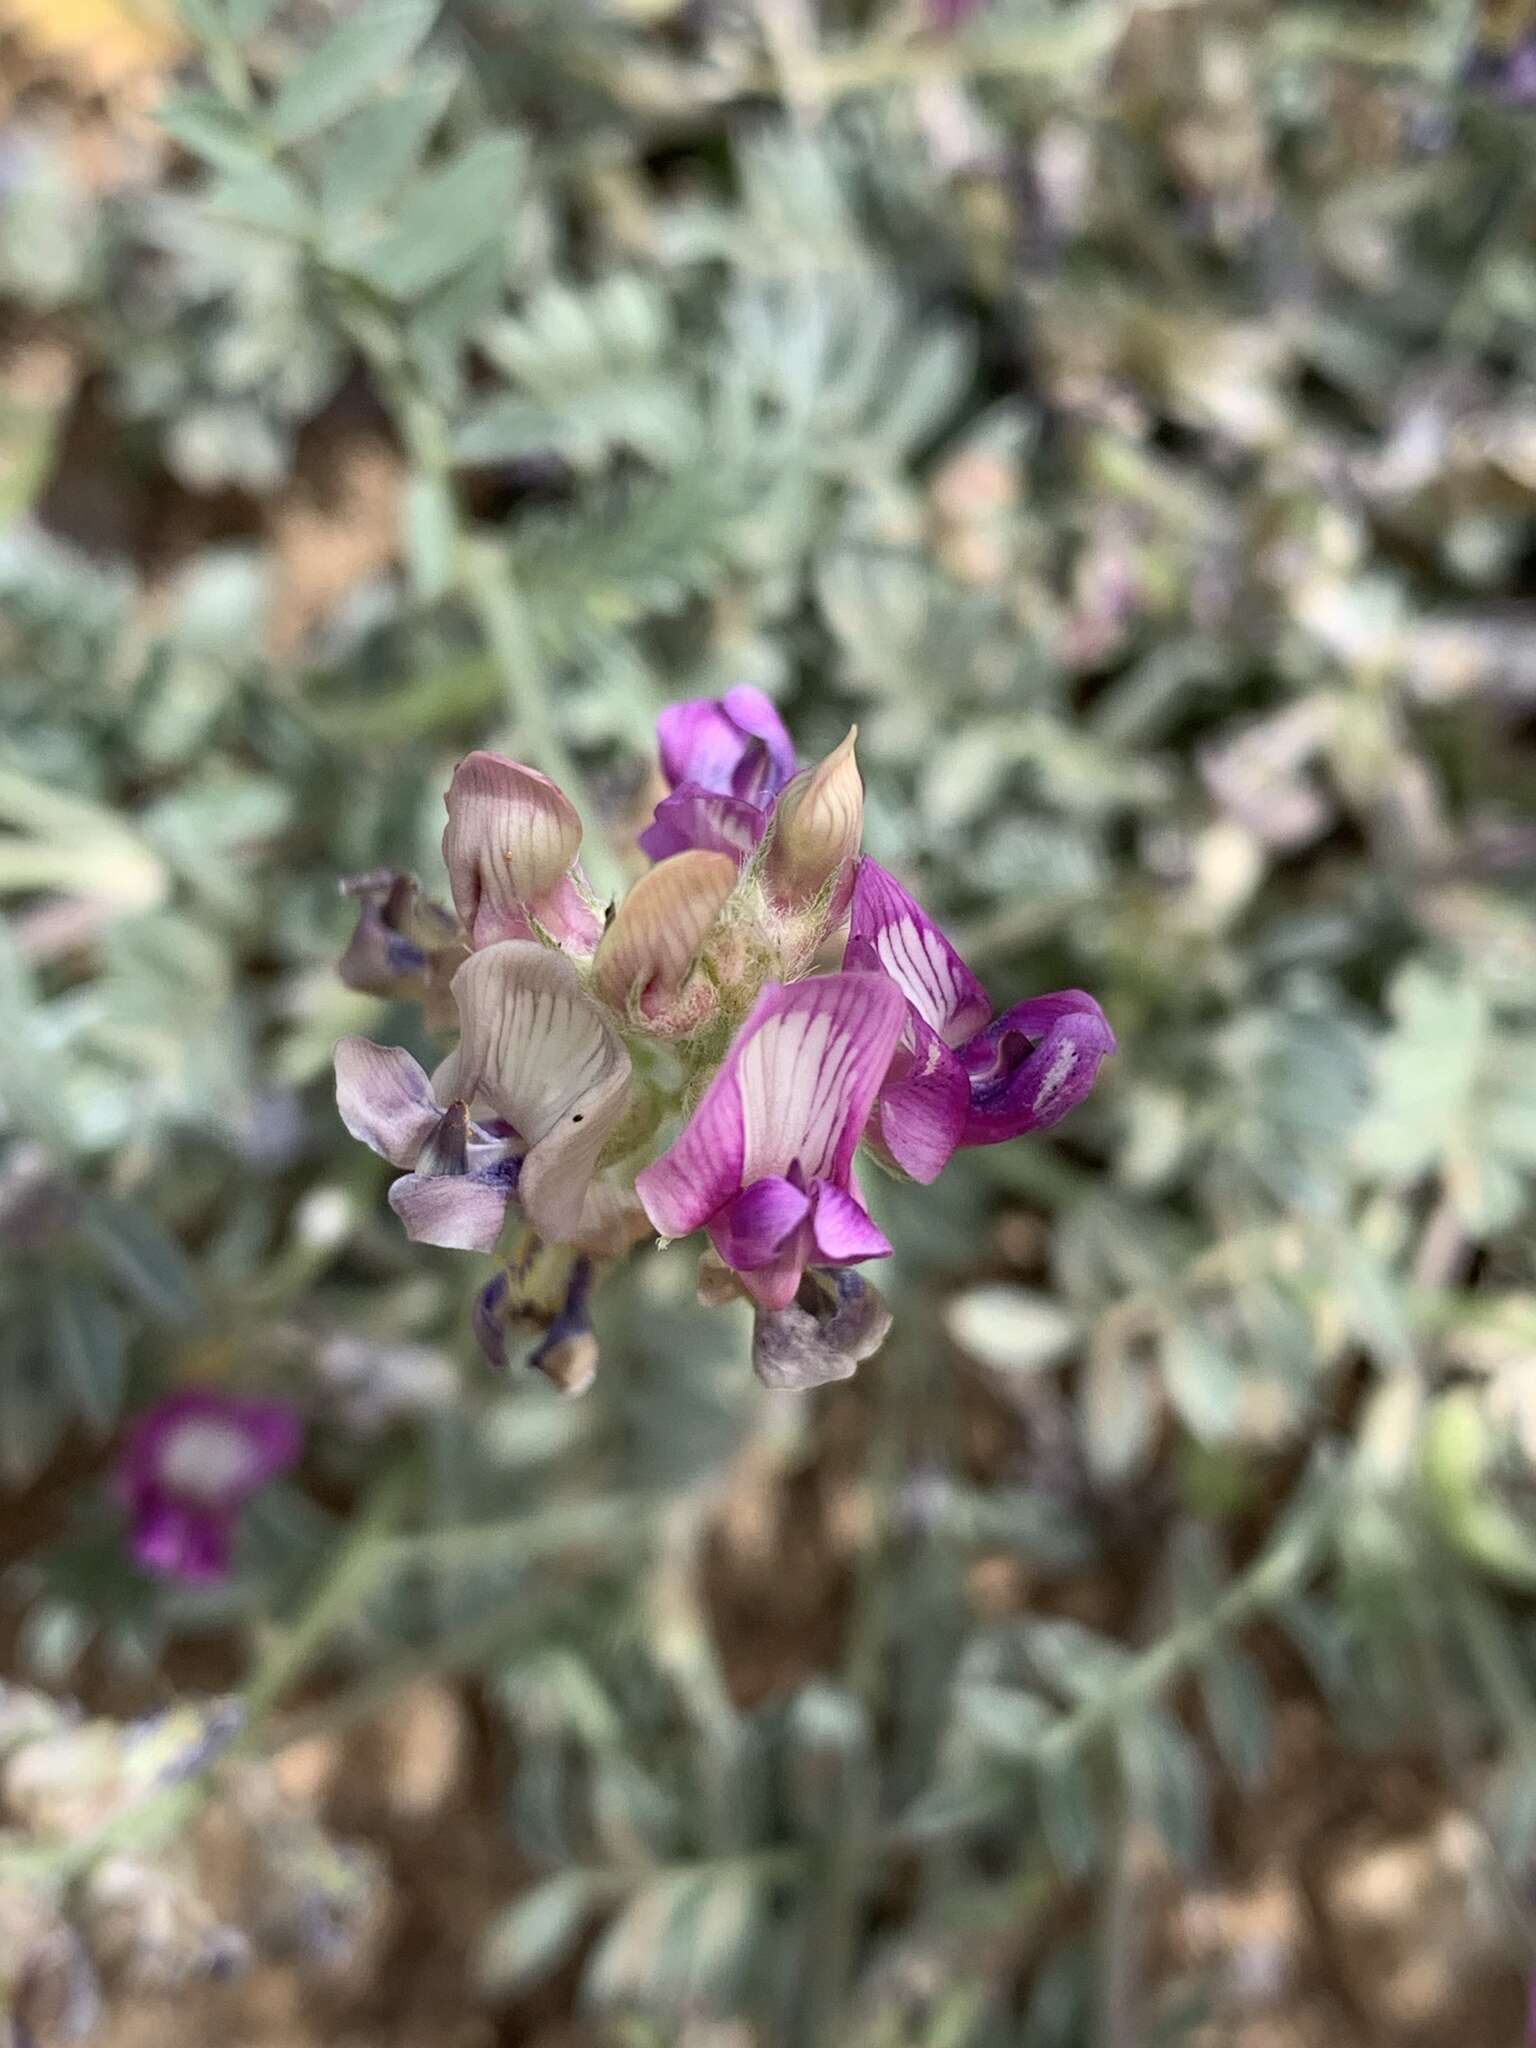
(726,759)
(765,1163)
(189,1466)
(948,15)
(960,1075)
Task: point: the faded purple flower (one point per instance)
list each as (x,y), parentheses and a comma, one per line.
(459,1177)
(546,1074)
(765,1163)
(961,1076)
(726,759)
(188,1468)
(834,1323)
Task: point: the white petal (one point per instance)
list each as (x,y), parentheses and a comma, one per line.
(538,1051)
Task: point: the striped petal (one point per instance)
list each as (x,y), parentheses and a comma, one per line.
(890,930)
(385,1099)
(510,848)
(649,950)
(926,1097)
(705,820)
(794,1092)
(538,1052)
(816,831)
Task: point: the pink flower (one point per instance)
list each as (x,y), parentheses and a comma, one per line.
(962,1076)
(188,1468)
(765,1163)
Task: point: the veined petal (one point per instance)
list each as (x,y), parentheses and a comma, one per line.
(794,1091)
(890,929)
(509,846)
(923,1104)
(702,819)
(750,1231)
(1033,1064)
(808,1062)
(459,1212)
(842,1232)
(385,1099)
(540,1053)
(655,937)
(735,744)
(816,831)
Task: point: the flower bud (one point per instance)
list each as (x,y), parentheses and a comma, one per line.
(510,848)
(817,828)
(648,953)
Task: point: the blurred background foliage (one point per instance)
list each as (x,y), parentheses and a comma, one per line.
(1126,411)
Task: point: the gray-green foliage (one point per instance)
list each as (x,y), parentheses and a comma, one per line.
(1139,445)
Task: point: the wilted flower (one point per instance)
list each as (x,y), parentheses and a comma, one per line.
(581,1043)
(190,1465)
(963,1076)
(765,1163)
(552,1306)
(835,1321)
(402,945)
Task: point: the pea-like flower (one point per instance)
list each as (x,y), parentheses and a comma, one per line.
(961,1075)
(189,1466)
(583,1040)
(765,1162)
(523,1107)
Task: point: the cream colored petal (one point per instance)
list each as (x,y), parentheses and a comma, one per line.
(661,924)
(818,825)
(511,838)
(537,1050)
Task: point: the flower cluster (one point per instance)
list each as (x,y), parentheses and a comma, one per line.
(678,1062)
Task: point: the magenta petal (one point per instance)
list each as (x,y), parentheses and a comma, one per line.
(701,1170)
(750,1231)
(792,1097)
(843,1234)
(178,1542)
(385,1099)
(703,819)
(459,1212)
(924,1103)
(1033,1064)
(890,930)
(735,745)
